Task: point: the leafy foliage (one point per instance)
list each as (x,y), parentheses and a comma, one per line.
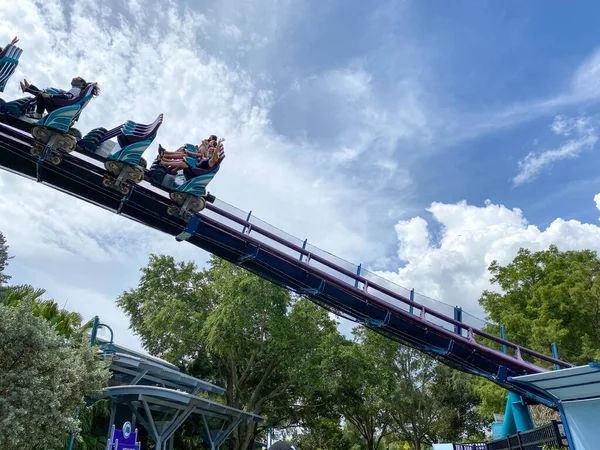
(43,380)
(228,326)
(549,296)
(4,257)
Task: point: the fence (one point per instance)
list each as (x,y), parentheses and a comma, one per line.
(549,435)
(481,446)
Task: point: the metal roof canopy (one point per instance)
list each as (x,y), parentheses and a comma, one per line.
(144,401)
(575,383)
(576,391)
(137,368)
(123,349)
(138,371)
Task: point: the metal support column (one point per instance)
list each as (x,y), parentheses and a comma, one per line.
(517,416)
(555,354)
(458,317)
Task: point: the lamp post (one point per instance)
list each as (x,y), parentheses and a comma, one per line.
(108,355)
(109,348)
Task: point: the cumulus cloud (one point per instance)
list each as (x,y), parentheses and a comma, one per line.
(454,267)
(154,59)
(583,135)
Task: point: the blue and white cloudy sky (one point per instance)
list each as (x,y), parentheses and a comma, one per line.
(425,139)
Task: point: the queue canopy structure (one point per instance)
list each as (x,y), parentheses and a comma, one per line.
(577,393)
(154,393)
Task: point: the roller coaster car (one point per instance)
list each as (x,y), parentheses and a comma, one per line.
(53,134)
(122,159)
(189,196)
(53,131)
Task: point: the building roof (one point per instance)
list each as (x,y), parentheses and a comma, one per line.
(574,383)
(166,400)
(136,368)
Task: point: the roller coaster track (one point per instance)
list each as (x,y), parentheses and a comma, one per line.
(313,274)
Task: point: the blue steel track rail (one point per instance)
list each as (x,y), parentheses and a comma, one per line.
(82,179)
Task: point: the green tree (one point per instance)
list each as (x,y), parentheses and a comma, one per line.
(327,434)
(424,401)
(361,380)
(231,327)
(549,296)
(4,257)
(66,323)
(43,380)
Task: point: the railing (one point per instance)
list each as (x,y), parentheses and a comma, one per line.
(359,278)
(479,446)
(549,435)
(372,287)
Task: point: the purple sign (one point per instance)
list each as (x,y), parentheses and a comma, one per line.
(123,439)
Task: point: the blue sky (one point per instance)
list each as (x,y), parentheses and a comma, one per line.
(378,133)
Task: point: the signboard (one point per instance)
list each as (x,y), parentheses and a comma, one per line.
(124,439)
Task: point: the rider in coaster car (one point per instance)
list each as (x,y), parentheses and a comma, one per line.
(205,157)
(5,49)
(51,102)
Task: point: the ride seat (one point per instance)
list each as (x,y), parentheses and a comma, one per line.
(9,61)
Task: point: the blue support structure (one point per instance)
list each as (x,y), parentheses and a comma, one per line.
(357,273)
(458,316)
(312,291)
(94,330)
(190,229)
(377,323)
(125,199)
(516,416)
(247,220)
(248,257)
(412,298)
(503,336)
(303,248)
(555,353)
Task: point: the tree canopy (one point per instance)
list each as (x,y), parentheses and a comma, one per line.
(549,296)
(43,380)
(282,356)
(46,368)
(228,326)
(544,297)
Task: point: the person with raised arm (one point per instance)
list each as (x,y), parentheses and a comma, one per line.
(46,101)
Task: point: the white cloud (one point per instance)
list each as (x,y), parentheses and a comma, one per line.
(584,137)
(454,270)
(172,60)
(144,68)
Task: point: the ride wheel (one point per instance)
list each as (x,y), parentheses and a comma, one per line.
(113,167)
(75,133)
(36,151)
(107,181)
(143,163)
(125,188)
(55,159)
(41,134)
(172,210)
(197,204)
(137,176)
(66,143)
(178,197)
